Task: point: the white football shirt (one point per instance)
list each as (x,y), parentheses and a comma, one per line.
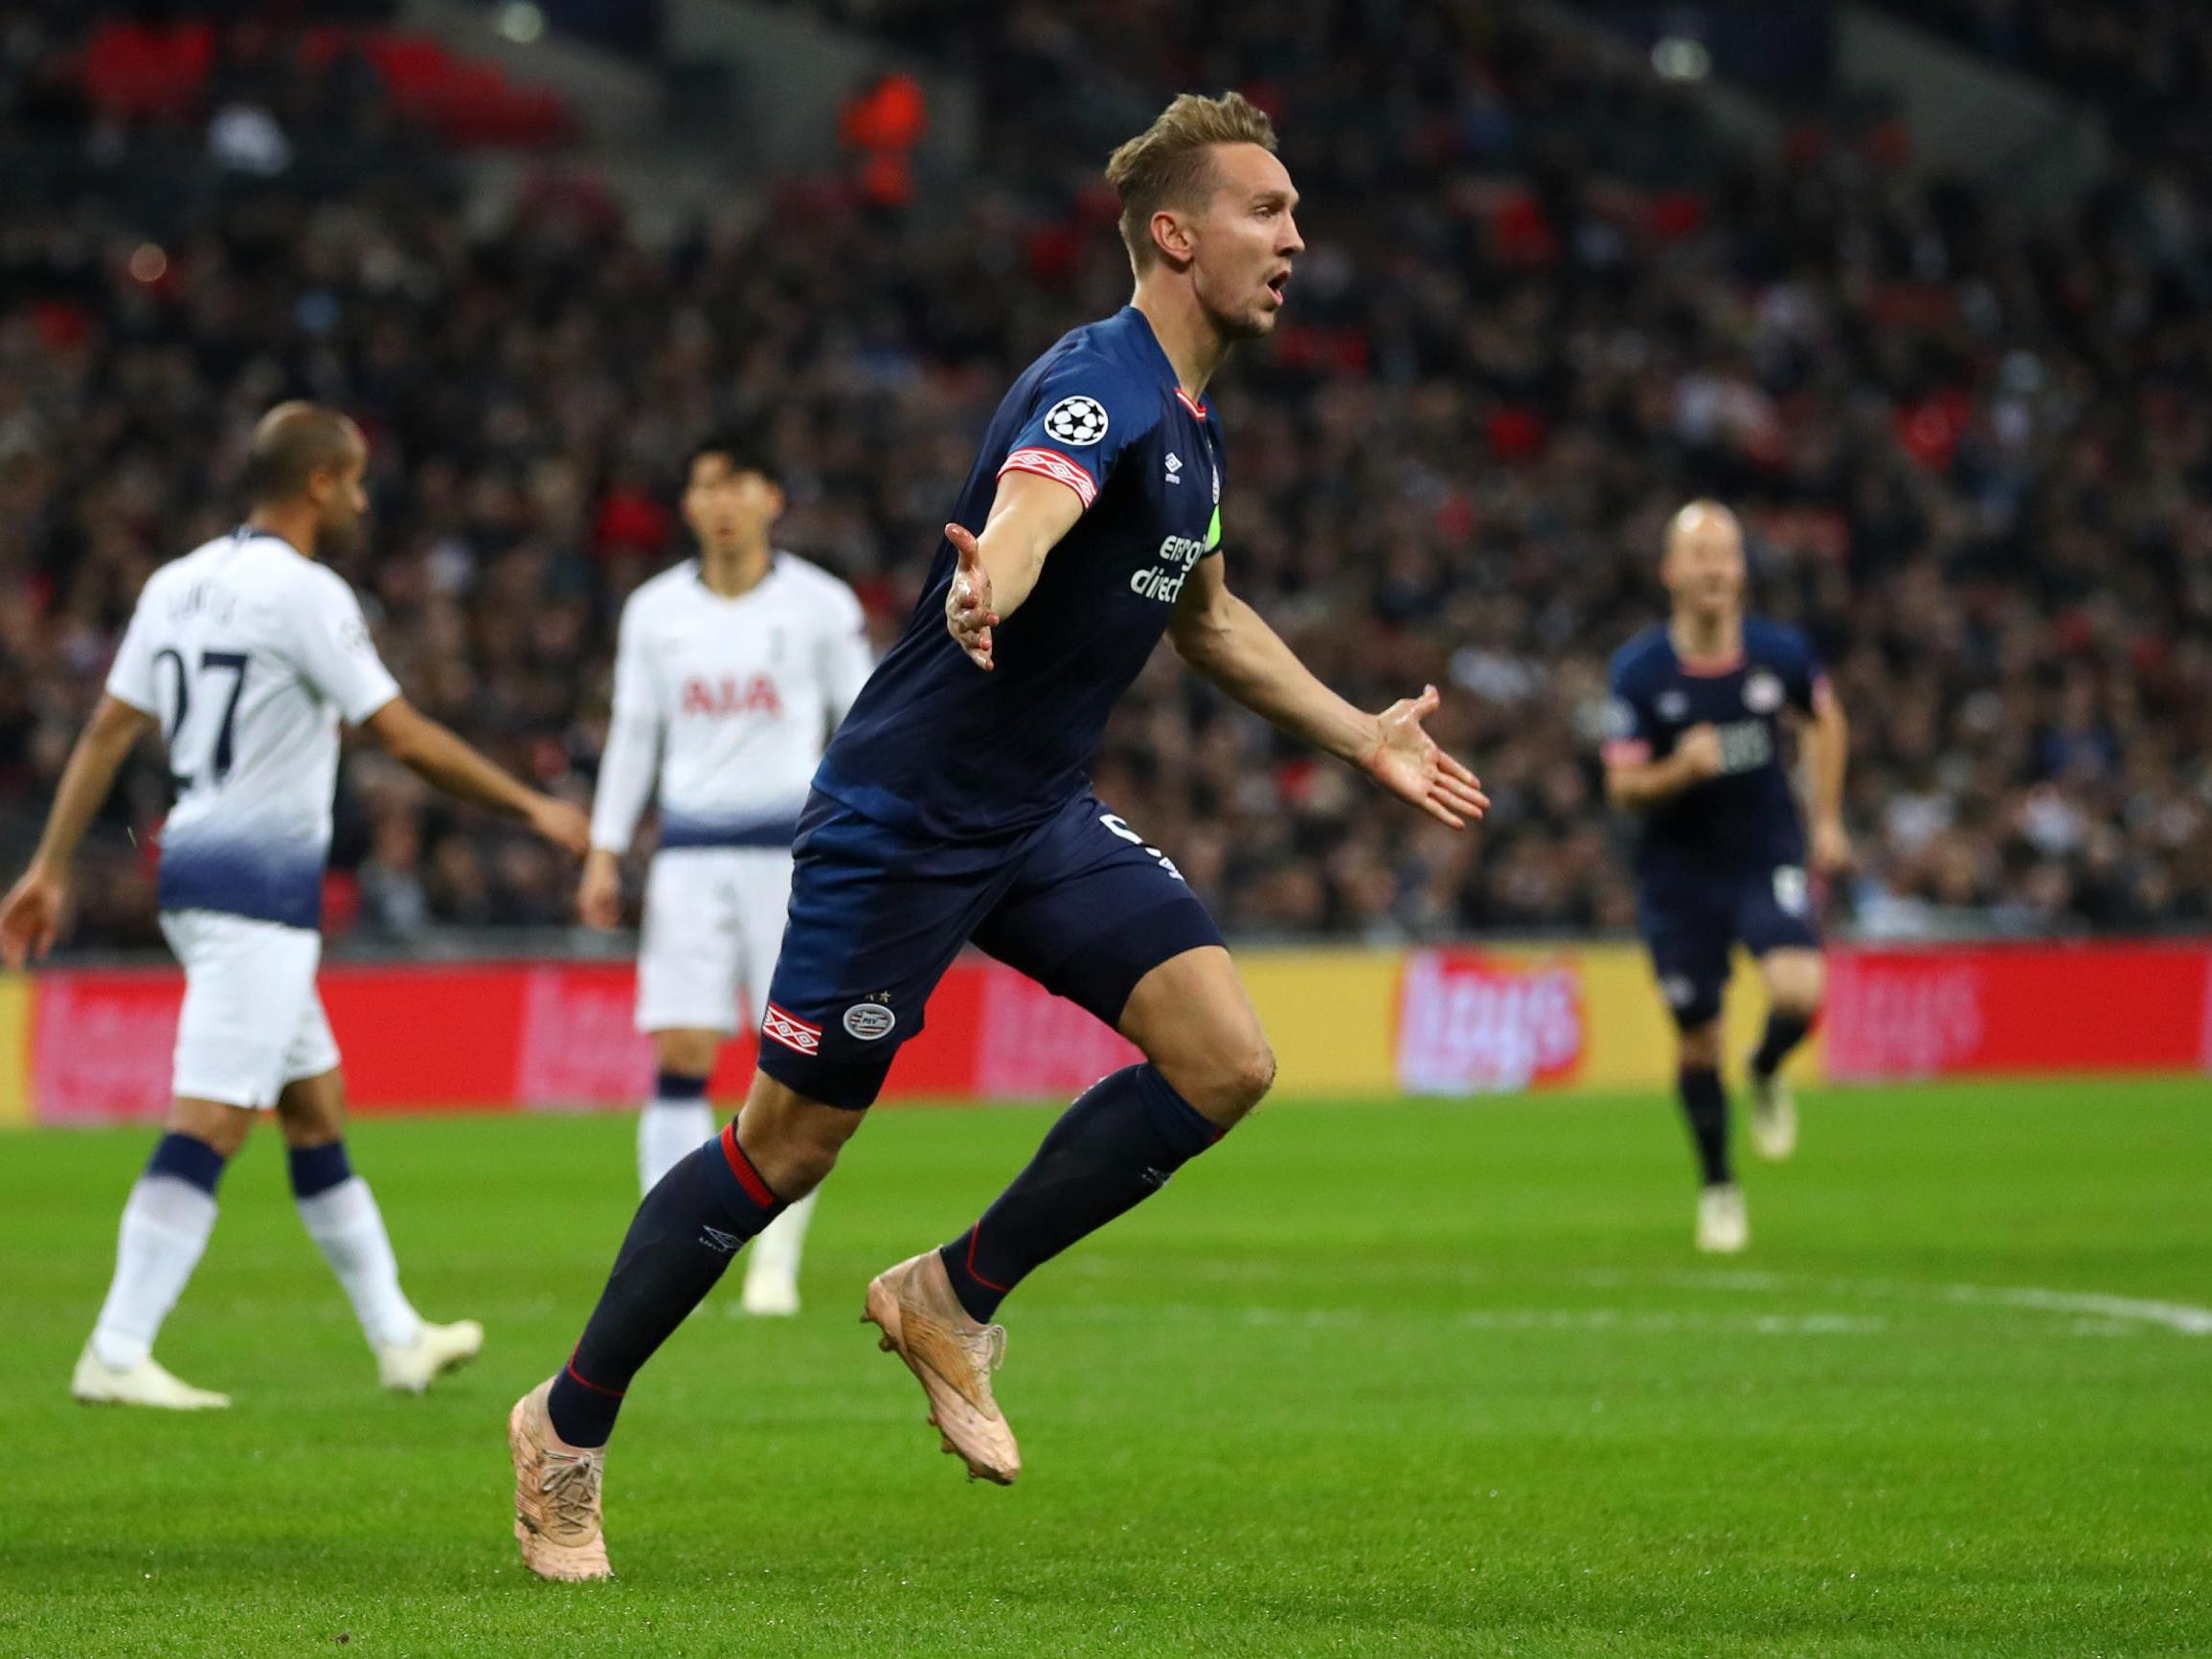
(249,654)
(733,699)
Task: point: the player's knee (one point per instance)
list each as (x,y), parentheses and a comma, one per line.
(686,1052)
(1795,983)
(1234,1082)
(220,1126)
(1254,1074)
(794,1142)
(1700,1047)
(311,1112)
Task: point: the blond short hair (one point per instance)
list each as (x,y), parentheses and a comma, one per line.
(1703,507)
(1170,164)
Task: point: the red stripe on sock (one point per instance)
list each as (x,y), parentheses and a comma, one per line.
(584,1382)
(742,1167)
(1002,1290)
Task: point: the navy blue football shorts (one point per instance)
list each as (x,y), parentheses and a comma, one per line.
(1079,904)
(1690,924)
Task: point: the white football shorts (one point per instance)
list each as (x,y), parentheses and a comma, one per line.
(252,1021)
(713,923)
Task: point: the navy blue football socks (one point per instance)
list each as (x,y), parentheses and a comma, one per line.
(678,1088)
(687,1231)
(188,1159)
(317,1169)
(1113,1148)
(1784,1032)
(1706,1103)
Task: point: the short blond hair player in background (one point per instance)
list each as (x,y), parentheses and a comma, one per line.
(955,804)
(1695,747)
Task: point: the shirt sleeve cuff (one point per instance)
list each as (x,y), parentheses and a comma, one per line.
(1052,464)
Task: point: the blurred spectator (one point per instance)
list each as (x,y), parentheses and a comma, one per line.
(1542,306)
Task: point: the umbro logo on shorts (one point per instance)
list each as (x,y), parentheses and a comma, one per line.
(793,1033)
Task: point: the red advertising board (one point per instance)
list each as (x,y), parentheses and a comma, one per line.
(552,1035)
(1958,1011)
(544,1036)
(1469,1024)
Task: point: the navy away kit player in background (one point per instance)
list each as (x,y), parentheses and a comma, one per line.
(955,804)
(1696,744)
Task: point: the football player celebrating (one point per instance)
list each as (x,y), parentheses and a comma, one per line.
(955,804)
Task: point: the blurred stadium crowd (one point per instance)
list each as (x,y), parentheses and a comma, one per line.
(1542,305)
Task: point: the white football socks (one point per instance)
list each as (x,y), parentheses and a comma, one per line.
(166,1223)
(773,1258)
(668,1132)
(349,1229)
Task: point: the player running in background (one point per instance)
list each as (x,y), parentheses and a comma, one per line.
(1695,747)
(731,672)
(955,804)
(246,654)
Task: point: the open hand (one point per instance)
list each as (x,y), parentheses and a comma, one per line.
(32,917)
(968,612)
(1407,762)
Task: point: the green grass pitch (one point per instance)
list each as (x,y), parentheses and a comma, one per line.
(1416,1379)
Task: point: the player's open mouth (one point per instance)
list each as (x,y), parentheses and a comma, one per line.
(1278,282)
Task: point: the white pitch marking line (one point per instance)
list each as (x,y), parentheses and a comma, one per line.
(2185,1317)
(2182,1317)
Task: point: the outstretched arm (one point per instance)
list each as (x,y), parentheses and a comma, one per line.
(636,724)
(1227,641)
(999,568)
(32,916)
(445,762)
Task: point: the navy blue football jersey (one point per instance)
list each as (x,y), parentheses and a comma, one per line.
(937,747)
(1746,818)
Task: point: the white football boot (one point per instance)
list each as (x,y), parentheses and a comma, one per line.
(145,1383)
(769,1296)
(436,1350)
(1724,1228)
(1773,1117)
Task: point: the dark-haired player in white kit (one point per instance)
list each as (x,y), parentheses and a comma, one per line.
(1696,749)
(730,671)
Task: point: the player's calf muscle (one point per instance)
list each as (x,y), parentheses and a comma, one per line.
(1700,1046)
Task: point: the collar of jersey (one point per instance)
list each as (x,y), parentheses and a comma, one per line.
(245,533)
(1143,324)
(699,578)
